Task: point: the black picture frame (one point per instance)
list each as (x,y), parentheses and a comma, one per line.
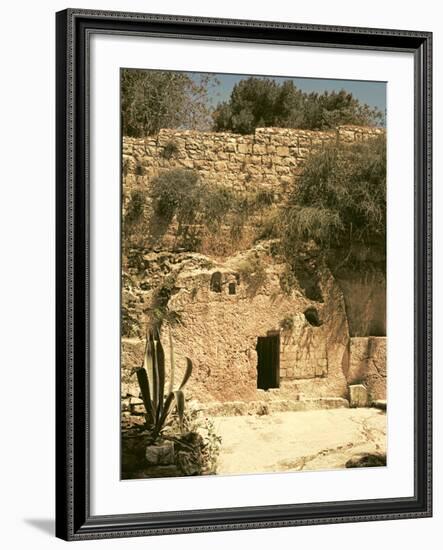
(73,518)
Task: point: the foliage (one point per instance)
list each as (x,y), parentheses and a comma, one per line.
(170,149)
(337,205)
(152,378)
(217,202)
(134,211)
(261,102)
(152,100)
(253,273)
(161,311)
(287,280)
(287,323)
(202,208)
(205,460)
(176,192)
(339,200)
(129,324)
(263,198)
(270,222)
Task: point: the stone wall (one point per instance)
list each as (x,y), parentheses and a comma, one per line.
(367,365)
(270,157)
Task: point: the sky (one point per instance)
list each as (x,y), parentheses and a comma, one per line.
(370,92)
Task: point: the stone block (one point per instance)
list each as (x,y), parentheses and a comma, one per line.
(282,151)
(138,409)
(259,149)
(244,148)
(187,163)
(358,395)
(221,166)
(160,454)
(136,401)
(380,404)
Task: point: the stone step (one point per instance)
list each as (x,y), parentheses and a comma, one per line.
(241,408)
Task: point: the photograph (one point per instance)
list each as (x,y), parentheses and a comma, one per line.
(253,274)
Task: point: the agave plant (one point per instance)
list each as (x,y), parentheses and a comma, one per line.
(151,379)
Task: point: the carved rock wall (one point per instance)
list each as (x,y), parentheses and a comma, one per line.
(219,329)
(367,365)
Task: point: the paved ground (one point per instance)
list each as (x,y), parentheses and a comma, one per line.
(306,440)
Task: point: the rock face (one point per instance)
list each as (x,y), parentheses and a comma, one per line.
(222,324)
(367,364)
(246,332)
(160,454)
(358,395)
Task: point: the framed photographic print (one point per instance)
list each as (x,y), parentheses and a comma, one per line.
(243,274)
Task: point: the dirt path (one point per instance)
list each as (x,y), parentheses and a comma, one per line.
(308,440)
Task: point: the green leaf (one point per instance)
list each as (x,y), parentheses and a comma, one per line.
(180,403)
(161,374)
(155,394)
(143,382)
(148,363)
(160,422)
(188,373)
(171,360)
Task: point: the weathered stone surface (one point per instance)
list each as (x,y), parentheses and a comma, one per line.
(282,151)
(160,454)
(224,355)
(367,364)
(219,330)
(366,460)
(208,152)
(358,395)
(297,403)
(340,435)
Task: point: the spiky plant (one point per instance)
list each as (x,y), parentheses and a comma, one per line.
(152,378)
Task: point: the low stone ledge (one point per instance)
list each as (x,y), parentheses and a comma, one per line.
(379,404)
(240,408)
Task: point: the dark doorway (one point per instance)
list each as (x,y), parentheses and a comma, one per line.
(268,361)
(216,282)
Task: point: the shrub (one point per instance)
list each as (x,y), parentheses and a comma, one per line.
(160,303)
(139,169)
(169,150)
(269,227)
(176,192)
(264,197)
(287,323)
(341,195)
(339,200)
(129,324)
(134,210)
(201,458)
(253,273)
(204,211)
(217,202)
